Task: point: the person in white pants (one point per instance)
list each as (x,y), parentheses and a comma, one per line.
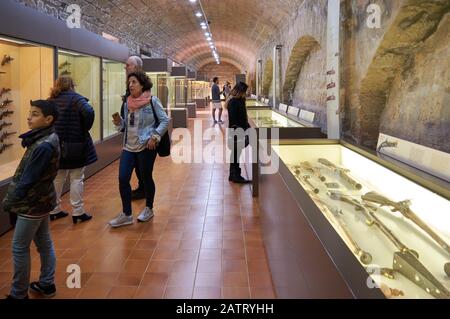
(76,178)
(77,149)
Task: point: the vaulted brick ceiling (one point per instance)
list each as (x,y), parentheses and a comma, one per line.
(239,27)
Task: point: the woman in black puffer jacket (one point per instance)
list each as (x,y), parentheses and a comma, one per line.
(77,149)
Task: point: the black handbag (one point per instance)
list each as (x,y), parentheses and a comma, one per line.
(73,151)
(163,147)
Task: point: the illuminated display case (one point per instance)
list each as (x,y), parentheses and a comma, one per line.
(374,217)
(113,88)
(270,124)
(161,86)
(180,90)
(252,103)
(26,73)
(85,71)
(200,90)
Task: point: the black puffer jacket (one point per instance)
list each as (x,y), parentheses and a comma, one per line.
(75,126)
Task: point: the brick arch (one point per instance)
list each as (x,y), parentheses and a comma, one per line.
(267,77)
(299,54)
(415,23)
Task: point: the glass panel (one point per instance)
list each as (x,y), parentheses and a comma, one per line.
(268,118)
(180,91)
(384,218)
(113,88)
(85,71)
(189,98)
(26,74)
(161,86)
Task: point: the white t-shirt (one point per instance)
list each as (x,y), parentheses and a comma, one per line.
(133,144)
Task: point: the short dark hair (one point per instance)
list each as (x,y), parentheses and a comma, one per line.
(215,79)
(47,108)
(143,79)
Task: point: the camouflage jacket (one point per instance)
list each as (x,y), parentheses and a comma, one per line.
(34,196)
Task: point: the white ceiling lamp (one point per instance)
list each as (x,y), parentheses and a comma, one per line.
(202,24)
(198,14)
(192,1)
(208,39)
(204,27)
(207,34)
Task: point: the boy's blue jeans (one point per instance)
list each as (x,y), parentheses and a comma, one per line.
(27,230)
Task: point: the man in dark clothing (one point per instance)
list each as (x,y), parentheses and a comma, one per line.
(216,101)
(30,198)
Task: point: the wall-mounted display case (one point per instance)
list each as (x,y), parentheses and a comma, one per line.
(85,72)
(26,73)
(385,227)
(114,84)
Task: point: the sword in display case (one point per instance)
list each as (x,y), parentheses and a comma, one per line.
(5,135)
(6,103)
(4,91)
(3,147)
(5,114)
(62,65)
(6,59)
(371,219)
(342,172)
(403,208)
(316,171)
(334,214)
(5,124)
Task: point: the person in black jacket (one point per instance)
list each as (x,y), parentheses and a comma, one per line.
(238,119)
(77,149)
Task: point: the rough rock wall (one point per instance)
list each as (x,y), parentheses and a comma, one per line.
(303,63)
(386,71)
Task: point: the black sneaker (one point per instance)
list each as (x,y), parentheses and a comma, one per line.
(138,194)
(59,215)
(46,291)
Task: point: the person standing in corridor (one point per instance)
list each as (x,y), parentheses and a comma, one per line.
(216,102)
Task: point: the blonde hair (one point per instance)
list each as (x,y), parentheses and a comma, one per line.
(62,84)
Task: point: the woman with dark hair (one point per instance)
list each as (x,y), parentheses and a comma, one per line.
(238,119)
(141,114)
(77,149)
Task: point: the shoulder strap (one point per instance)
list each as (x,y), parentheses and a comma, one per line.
(154,113)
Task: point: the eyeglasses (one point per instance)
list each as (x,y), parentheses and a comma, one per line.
(132,119)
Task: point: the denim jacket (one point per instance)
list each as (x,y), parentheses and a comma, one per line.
(146,125)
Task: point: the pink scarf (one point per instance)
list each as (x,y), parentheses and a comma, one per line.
(135,104)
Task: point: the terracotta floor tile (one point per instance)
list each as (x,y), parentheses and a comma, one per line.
(210,254)
(260,280)
(260,265)
(135,266)
(262,293)
(235,293)
(102,279)
(129,279)
(141,254)
(185,266)
(97,292)
(235,279)
(207,293)
(178,293)
(234,265)
(181,279)
(149,292)
(208,266)
(162,266)
(208,280)
(122,292)
(155,279)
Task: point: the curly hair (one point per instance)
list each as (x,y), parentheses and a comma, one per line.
(143,79)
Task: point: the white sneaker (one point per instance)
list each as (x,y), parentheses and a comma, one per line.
(145,215)
(121,220)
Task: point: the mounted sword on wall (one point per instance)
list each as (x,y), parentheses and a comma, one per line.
(5,114)
(5,103)
(6,59)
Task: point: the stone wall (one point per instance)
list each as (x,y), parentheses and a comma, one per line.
(303,58)
(394,78)
(97,17)
(224,71)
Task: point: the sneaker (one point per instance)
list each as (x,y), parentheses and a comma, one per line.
(121,220)
(46,291)
(59,215)
(138,194)
(215,122)
(145,215)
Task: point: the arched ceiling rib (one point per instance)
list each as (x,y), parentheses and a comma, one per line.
(170,27)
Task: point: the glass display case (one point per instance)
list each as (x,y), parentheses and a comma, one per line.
(180,91)
(269,118)
(113,88)
(189,95)
(200,90)
(254,104)
(395,221)
(85,71)
(26,73)
(161,86)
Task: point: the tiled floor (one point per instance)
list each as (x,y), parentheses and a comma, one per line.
(204,242)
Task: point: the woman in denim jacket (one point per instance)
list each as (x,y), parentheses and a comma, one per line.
(141,137)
